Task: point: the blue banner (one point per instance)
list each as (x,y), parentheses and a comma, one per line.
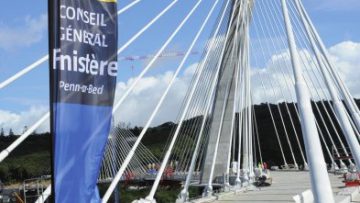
(83,70)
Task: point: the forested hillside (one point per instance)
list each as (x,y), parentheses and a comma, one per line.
(32,158)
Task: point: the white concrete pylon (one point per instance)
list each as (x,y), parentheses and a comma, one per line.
(184,194)
(320,181)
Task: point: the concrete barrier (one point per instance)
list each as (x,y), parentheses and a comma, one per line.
(304,197)
(347,195)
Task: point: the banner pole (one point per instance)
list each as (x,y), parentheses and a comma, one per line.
(52,43)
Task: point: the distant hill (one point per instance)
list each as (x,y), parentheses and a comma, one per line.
(32,158)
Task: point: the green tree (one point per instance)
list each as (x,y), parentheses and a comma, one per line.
(25,129)
(2,134)
(11,132)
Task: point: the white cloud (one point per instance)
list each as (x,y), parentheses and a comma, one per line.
(141,102)
(17,121)
(136,109)
(28,32)
(345,55)
(139,105)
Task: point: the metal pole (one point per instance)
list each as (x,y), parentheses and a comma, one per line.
(354,110)
(44,196)
(247,157)
(184,194)
(320,181)
(117,195)
(248,98)
(113,168)
(240,123)
(340,110)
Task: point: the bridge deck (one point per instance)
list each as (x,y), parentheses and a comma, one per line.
(285,186)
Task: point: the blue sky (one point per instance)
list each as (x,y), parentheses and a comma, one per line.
(23,39)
